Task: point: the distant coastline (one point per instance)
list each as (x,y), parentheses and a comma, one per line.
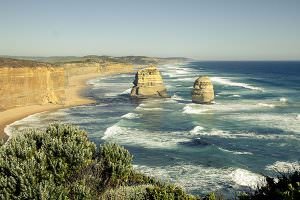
(65,84)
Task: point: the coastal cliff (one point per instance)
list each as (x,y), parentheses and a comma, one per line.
(27,83)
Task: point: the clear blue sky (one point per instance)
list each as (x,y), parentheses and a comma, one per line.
(201,29)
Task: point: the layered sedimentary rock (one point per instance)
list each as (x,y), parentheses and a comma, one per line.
(203,91)
(27,83)
(24,82)
(148,83)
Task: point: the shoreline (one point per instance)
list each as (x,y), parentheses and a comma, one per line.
(74,97)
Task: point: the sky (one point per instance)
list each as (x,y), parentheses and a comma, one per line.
(199,29)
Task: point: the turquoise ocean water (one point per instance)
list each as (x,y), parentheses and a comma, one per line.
(252,129)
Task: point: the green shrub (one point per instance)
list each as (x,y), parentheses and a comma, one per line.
(37,163)
(286,186)
(126,193)
(117,164)
(167,192)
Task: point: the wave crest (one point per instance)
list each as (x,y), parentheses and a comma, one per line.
(225,81)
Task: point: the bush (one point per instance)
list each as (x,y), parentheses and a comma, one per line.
(116,162)
(61,163)
(38,163)
(286,186)
(167,192)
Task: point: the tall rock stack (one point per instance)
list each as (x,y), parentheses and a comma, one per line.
(148,83)
(203,91)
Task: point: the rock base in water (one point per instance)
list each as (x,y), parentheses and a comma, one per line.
(148,83)
(203,91)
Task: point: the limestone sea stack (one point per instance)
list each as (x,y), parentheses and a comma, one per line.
(203,91)
(148,83)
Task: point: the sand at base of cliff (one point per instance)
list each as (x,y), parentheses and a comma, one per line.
(74,97)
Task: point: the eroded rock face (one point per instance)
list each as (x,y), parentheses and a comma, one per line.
(22,86)
(148,83)
(203,91)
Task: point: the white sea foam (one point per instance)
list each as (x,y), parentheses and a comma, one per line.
(287,122)
(284,167)
(226,81)
(238,135)
(193,177)
(236,95)
(111,131)
(218,107)
(144,138)
(177,97)
(111,94)
(283,99)
(127,91)
(151,109)
(131,116)
(185,79)
(152,106)
(298,116)
(266,105)
(196,130)
(246,178)
(236,152)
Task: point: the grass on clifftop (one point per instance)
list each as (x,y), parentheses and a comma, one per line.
(62,163)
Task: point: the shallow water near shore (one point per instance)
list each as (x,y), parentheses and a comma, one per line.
(252,129)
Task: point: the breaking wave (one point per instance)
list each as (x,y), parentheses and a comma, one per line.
(217,107)
(236,152)
(210,179)
(238,135)
(225,81)
(143,138)
(284,167)
(131,116)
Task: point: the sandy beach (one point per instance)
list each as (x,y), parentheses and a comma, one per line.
(74,96)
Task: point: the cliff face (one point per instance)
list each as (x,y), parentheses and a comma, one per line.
(148,82)
(21,86)
(24,83)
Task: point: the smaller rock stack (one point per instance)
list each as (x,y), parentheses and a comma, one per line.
(148,83)
(203,91)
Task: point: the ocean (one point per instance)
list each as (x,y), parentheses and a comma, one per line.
(252,129)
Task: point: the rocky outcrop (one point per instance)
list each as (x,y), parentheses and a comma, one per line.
(148,83)
(203,91)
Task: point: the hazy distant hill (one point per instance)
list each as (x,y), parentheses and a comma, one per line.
(10,62)
(136,60)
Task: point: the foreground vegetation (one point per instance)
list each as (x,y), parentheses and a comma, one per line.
(61,163)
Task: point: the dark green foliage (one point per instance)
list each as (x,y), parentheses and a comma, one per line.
(213,196)
(116,162)
(286,186)
(167,192)
(36,164)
